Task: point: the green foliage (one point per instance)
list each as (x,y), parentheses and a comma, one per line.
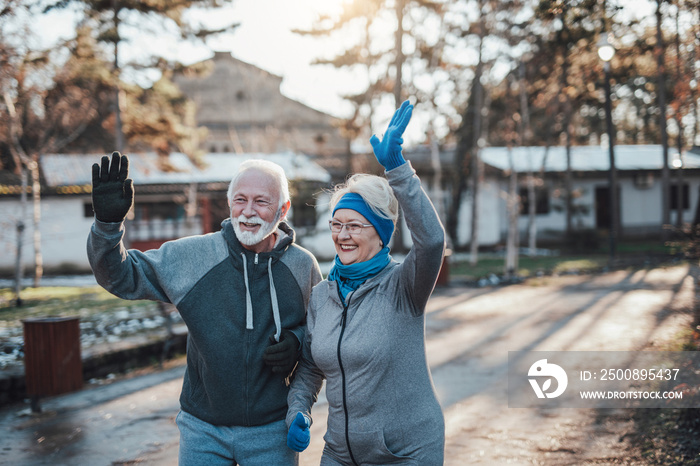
(529,266)
(156,118)
(630,253)
(105,11)
(161,118)
(51,96)
(60,302)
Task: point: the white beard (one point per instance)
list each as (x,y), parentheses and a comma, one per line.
(248,238)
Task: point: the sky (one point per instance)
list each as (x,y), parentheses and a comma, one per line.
(265,39)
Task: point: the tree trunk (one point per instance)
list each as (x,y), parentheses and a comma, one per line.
(19,267)
(399,245)
(679,138)
(524,131)
(661,89)
(119,135)
(467,145)
(612,172)
(436,165)
(36,221)
(476,177)
(568,180)
(511,265)
(476,165)
(531,213)
(398,83)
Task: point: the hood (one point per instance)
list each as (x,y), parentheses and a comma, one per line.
(238,249)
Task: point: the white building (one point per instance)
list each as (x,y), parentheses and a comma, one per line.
(639,179)
(173,199)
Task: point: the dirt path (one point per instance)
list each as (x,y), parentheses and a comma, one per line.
(470,334)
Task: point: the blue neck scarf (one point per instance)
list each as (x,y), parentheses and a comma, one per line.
(350,277)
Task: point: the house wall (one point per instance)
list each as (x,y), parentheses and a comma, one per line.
(640,207)
(64,231)
(492,216)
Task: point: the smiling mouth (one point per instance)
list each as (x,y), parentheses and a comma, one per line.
(347,247)
(249,225)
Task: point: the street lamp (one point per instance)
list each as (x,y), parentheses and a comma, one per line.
(606,51)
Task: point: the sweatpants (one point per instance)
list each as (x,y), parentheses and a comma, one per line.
(202,443)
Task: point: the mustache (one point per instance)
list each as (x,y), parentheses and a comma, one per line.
(244,219)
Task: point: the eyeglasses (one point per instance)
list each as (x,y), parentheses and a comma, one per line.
(353,228)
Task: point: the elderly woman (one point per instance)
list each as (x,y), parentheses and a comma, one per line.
(365,323)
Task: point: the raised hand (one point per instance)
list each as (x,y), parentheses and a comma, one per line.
(388,150)
(112,189)
(299,435)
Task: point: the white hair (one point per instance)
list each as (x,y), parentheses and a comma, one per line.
(267,167)
(376,192)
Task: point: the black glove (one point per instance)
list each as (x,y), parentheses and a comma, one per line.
(112,190)
(282,356)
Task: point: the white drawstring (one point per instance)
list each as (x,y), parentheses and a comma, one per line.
(275,304)
(273,298)
(248,301)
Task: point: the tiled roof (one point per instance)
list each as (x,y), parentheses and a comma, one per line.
(585,158)
(147,169)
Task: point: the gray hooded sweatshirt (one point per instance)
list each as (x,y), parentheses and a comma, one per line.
(232,301)
(371,351)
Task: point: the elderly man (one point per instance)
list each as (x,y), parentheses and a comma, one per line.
(242,292)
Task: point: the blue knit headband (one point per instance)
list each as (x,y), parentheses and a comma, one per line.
(384,226)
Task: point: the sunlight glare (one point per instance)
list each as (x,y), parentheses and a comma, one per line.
(305,12)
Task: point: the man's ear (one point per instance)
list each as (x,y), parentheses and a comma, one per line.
(285,210)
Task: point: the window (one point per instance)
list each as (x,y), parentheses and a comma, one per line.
(158,210)
(541,201)
(684,194)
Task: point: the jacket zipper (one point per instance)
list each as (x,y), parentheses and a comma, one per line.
(343,322)
(247,366)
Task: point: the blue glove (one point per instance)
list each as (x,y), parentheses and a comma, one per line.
(299,436)
(388,150)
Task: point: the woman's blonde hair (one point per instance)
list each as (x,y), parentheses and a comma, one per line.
(376,192)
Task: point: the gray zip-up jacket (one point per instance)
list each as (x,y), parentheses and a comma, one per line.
(381,400)
(232,301)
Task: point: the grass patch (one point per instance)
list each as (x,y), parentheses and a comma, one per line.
(530,266)
(60,302)
(638,254)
